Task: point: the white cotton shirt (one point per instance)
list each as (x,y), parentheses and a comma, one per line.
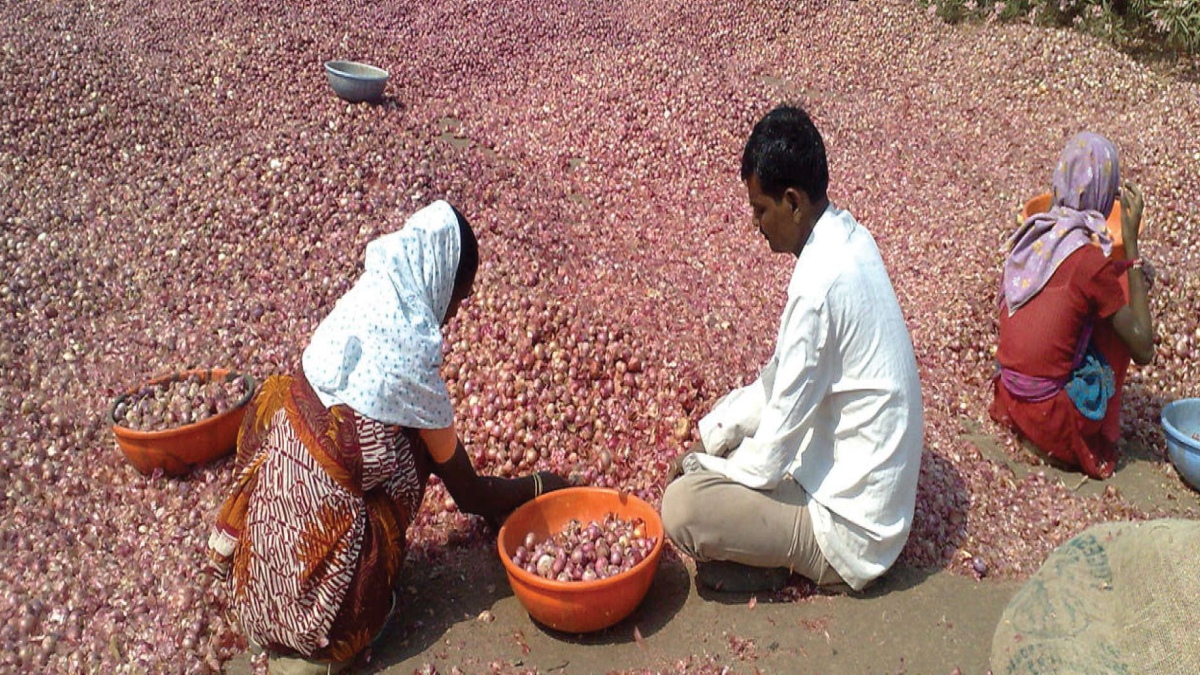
(838,406)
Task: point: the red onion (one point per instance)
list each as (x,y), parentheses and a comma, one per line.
(153,219)
(579,552)
(178,402)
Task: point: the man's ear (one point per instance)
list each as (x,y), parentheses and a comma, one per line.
(798,201)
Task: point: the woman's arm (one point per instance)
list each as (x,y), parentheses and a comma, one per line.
(488,496)
(1133,321)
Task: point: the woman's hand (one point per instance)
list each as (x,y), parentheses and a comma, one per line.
(490,496)
(526,488)
(1132,205)
(552,481)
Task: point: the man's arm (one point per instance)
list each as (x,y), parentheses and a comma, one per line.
(736,415)
(731,420)
(799,382)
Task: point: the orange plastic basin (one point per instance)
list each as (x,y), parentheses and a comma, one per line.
(579,606)
(1041,204)
(176,451)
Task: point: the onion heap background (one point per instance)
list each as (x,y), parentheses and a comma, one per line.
(179,187)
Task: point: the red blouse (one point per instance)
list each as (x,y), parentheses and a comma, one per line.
(1040,340)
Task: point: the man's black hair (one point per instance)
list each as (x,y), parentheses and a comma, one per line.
(468,257)
(784,151)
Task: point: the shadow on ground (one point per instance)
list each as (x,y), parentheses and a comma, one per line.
(921,620)
(459,616)
(941,514)
(468,582)
(1143,477)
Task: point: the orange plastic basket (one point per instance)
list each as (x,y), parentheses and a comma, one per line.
(175,451)
(1041,204)
(579,606)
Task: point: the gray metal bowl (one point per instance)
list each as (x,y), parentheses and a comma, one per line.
(356,82)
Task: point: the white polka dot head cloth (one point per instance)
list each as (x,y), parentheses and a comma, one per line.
(380,350)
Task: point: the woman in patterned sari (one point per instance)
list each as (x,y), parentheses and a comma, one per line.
(1067,328)
(332,461)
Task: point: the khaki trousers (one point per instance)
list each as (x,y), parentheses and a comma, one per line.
(711,517)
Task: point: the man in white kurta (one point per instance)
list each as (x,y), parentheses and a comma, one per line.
(813,467)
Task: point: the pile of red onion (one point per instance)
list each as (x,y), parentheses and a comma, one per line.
(180,188)
(179,401)
(597,550)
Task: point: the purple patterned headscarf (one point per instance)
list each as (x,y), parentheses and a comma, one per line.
(1085,187)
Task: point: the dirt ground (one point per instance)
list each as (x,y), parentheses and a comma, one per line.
(912,621)
(917,621)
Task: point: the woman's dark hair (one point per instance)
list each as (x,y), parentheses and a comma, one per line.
(468,257)
(784,151)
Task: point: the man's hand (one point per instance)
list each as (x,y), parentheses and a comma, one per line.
(675,468)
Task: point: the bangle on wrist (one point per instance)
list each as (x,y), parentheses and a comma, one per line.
(1147,270)
(537,485)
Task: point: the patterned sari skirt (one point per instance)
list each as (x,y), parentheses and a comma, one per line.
(313,535)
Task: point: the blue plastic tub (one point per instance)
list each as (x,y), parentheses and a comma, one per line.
(1181,423)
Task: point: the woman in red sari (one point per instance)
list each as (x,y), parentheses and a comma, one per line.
(1067,330)
(332,461)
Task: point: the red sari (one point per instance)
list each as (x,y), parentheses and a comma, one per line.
(313,534)
(1040,340)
